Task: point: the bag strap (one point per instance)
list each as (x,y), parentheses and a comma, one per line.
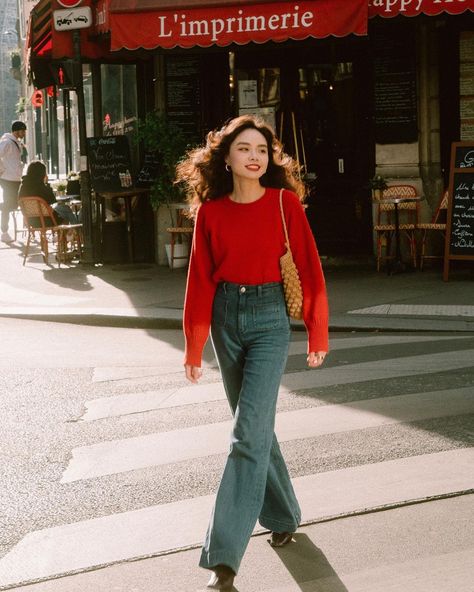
(287,240)
(16,144)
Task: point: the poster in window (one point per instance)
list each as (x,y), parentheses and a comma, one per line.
(248,96)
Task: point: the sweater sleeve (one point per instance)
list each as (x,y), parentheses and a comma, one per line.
(306,257)
(48,194)
(3,148)
(200,291)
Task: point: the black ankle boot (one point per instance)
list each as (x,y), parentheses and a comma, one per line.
(280,539)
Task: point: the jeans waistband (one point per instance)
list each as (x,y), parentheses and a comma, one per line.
(257,289)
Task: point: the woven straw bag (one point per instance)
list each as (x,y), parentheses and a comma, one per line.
(289,274)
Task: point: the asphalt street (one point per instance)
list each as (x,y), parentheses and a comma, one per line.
(99,423)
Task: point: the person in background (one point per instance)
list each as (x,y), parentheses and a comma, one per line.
(35,184)
(11,169)
(235,290)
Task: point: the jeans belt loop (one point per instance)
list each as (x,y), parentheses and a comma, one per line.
(224,285)
(259,290)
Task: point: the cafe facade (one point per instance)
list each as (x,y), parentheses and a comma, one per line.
(353,88)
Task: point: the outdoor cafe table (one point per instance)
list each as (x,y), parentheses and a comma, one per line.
(128,196)
(398,265)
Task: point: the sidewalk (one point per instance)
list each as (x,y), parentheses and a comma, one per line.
(150,295)
(387,551)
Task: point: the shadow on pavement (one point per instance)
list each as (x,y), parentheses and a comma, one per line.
(308,565)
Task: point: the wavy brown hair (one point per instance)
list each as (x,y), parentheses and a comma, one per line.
(203,172)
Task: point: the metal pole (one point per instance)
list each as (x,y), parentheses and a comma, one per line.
(86,198)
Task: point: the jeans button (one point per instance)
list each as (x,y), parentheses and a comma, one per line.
(242,289)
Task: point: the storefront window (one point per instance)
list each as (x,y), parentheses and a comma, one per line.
(68,126)
(119,101)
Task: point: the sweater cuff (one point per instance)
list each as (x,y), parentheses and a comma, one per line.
(193,358)
(318,340)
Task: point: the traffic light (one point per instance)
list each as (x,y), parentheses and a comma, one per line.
(37,99)
(64,73)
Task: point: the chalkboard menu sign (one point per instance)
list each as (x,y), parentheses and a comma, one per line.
(183,95)
(460,224)
(109,163)
(395,85)
(149,171)
(464,156)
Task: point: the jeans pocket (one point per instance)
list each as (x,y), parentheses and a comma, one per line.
(219,311)
(266,315)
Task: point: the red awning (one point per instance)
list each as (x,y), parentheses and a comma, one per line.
(390,8)
(39,38)
(221,22)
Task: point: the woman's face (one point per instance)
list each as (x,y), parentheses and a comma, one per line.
(248,155)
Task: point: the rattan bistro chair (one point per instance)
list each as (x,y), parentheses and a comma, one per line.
(182,231)
(437,224)
(384,226)
(40,218)
(17,229)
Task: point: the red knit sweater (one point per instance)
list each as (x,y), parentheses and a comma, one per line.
(242,244)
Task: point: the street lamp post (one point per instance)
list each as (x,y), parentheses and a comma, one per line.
(88,255)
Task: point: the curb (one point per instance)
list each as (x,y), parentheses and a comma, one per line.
(172,319)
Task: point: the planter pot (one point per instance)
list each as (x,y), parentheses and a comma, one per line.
(180,250)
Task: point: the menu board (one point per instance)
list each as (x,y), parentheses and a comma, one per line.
(464,156)
(109,163)
(396,119)
(149,171)
(460,224)
(183,95)
(462,216)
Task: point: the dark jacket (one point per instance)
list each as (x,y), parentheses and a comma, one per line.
(33,188)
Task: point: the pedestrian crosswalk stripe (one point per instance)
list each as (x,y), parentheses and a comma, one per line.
(379,369)
(116,456)
(122,373)
(350,373)
(157,529)
(106,373)
(152,400)
(343,343)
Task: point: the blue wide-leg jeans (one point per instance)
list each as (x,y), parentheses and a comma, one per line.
(251,334)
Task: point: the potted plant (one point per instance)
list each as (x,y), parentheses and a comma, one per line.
(166,143)
(73,183)
(377,184)
(20,107)
(60,187)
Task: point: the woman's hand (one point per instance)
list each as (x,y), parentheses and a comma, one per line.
(315,359)
(193,373)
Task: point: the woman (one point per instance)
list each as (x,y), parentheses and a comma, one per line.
(234,288)
(35,184)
